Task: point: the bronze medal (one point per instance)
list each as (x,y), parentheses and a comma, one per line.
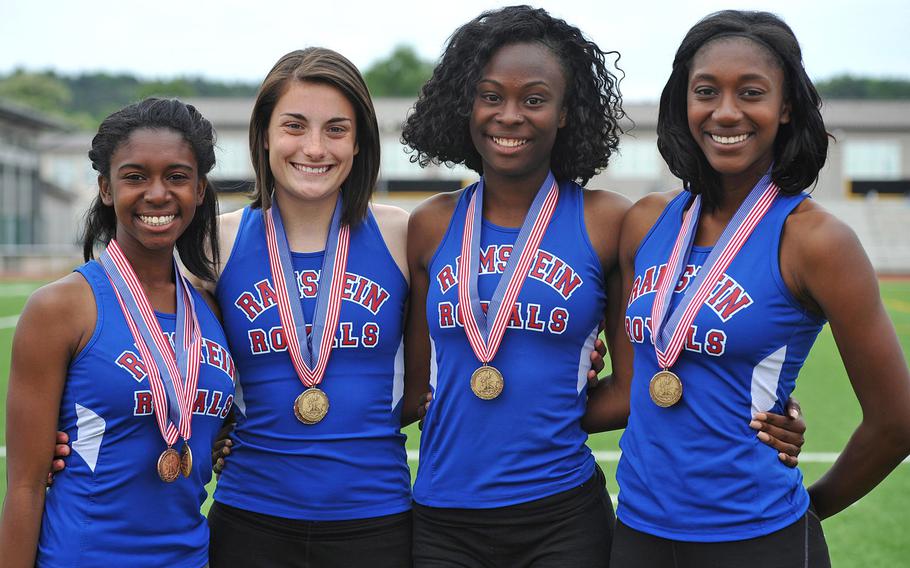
(666,388)
(311,406)
(186,460)
(487,382)
(169,465)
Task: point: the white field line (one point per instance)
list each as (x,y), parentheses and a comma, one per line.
(8,322)
(805,457)
(609,457)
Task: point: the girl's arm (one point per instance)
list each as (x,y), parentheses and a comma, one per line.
(426,228)
(55,324)
(827,269)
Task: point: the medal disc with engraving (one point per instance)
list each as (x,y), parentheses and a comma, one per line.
(665,388)
(169,465)
(311,406)
(186,461)
(487,382)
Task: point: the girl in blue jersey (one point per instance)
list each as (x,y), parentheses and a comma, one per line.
(739,123)
(330,488)
(76,365)
(505,477)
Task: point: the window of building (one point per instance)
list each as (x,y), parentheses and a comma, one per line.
(872,160)
(637,159)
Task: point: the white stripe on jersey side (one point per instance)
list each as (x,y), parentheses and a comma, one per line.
(398,377)
(239,403)
(584,360)
(765,377)
(433,368)
(89,435)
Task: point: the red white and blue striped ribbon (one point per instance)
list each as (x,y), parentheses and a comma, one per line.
(172,368)
(669,336)
(485,338)
(309,351)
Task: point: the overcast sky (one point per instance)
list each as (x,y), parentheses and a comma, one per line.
(241,39)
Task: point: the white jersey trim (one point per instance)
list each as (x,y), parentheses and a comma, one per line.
(765,378)
(90,430)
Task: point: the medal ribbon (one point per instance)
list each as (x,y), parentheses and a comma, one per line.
(310,365)
(483,337)
(172,368)
(669,336)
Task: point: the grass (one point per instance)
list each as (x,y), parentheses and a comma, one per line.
(869,534)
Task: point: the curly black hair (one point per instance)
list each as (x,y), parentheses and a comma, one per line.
(114,131)
(438,130)
(801,146)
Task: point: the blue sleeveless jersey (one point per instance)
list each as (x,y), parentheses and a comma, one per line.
(109,507)
(527,443)
(352,464)
(695,471)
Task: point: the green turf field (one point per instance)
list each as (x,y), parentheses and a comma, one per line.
(869,534)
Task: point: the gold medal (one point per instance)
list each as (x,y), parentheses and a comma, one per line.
(186,460)
(311,406)
(665,388)
(169,465)
(487,382)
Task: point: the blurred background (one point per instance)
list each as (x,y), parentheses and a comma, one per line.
(65,65)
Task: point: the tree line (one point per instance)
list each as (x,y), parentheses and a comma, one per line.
(83,100)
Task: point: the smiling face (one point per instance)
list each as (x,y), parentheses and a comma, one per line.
(312,141)
(518,109)
(736,104)
(154,187)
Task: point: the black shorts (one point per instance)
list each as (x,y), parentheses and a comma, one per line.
(244,539)
(800,545)
(570,529)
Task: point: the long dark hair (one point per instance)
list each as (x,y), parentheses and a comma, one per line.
(801,146)
(319,65)
(202,234)
(438,127)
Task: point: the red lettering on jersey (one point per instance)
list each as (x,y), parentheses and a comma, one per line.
(375,298)
(636,290)
(540,263)
(132,364)
(143,403)
(446,278)
(735,301)
(534,321)
(487,258)
(725,284)
(686,277)
(568,282)
(514,318)
(446,319)
(691,344)
(559,318)
(637,331)
(277,339)
(715,342)
(248,305)
(266,294)
(309,280)
(258,341)
(346,329)
(648,281)
(505,251)
(347,286)
(214,409)
(557,266)
(228,402)
(370,334)
(199,405)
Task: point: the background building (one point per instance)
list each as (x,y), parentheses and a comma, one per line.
(866,181)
